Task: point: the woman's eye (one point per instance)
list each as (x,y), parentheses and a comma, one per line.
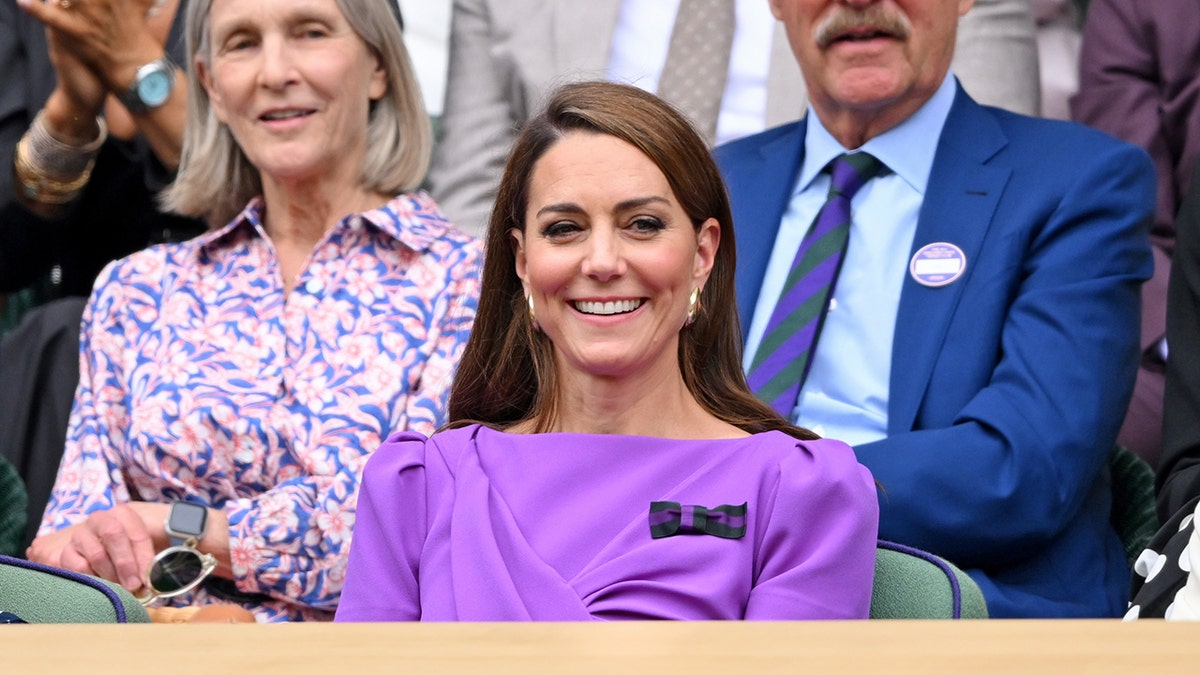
(560,229)
(238,44)
(647,225)
(312,31)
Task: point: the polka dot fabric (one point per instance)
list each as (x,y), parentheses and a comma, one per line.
(1163,586)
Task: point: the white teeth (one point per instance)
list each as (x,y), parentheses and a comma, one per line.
(610,307)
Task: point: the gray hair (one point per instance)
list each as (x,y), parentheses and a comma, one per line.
(215,178)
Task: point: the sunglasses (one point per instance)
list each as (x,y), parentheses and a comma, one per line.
(175,571)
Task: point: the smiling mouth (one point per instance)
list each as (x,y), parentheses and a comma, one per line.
(276,115)
(607,308)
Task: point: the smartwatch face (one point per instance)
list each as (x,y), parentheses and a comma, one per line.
(155,88)
(187,518)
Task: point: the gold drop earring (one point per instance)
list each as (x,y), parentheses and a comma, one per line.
(533,315)
(693,306)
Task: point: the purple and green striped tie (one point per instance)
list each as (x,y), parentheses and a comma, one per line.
(785,352)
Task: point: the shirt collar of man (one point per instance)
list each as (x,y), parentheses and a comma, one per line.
(905,149)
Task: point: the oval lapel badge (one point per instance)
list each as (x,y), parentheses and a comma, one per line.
(937,264)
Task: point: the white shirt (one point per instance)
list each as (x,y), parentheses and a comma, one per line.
(643,36)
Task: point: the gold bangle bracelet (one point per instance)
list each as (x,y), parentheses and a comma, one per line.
(37,186)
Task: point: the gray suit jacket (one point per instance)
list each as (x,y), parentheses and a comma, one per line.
(506,55)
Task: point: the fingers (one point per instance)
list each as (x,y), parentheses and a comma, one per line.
(47,549)
(126,545)
(115,544)
(112,544)
(87,552)
(53,13)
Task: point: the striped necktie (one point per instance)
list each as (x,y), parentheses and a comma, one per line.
(785,353)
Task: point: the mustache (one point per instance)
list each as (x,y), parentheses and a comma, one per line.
(873,17)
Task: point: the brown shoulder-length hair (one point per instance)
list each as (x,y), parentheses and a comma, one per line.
(507,373)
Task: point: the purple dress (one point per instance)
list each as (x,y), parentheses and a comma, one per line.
(479,525)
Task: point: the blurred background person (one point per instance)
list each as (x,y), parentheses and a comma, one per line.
(1139,80)
(92,109)
(251,370)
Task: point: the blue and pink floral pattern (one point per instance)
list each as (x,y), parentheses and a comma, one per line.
(202,379)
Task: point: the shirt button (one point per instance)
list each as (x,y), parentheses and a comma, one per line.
(832,304)
(314,286)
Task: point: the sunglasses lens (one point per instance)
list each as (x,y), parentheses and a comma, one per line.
(175,571)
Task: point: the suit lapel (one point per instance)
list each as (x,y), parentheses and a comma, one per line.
(764,188)
(960,201)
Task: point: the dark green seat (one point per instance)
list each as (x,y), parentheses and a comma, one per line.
(1133,515)
(13,506)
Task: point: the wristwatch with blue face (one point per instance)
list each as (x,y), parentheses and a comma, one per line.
(151,87)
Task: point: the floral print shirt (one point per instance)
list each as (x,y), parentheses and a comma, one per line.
(201,379)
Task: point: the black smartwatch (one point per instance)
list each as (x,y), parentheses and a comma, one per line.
(186,522)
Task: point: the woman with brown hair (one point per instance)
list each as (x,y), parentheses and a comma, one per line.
(605,457)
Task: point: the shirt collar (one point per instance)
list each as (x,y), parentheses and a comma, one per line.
(412,219)
(905,149)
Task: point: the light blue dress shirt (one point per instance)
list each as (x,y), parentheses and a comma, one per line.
(846,393)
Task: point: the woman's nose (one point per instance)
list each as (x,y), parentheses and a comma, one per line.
(604,259)
(276,70)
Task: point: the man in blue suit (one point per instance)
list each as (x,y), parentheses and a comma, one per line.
(980,344)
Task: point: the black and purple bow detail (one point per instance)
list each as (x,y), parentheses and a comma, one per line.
(668,519)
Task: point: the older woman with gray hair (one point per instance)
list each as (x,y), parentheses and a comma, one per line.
(233,385)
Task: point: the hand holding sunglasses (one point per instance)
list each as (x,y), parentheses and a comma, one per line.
(180,567)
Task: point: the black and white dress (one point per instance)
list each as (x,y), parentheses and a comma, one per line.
(1165,577)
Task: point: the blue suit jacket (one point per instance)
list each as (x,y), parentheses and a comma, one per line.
(1008,385)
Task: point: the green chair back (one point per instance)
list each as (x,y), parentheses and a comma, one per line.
(914,584)
(42,594)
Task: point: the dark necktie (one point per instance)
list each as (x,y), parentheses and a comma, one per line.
(785,353)
(697,65)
